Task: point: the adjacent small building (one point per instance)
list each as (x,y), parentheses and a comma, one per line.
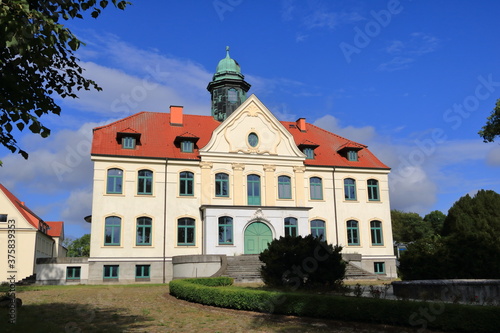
(25,237)
(174,184)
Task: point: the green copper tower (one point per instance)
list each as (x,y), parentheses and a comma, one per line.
(228,88)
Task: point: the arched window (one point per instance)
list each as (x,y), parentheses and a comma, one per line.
(115,181)
(376,233)
(145,182)
(144,234)
(349,189)
(186,183)
(316,188)
(352,232)
(284,187)
(318,229)
(253,190)
(225,230)
(290,226)
(185,231)
(221,185)
(112,230)
(373,194)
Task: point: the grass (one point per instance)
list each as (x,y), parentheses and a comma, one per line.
(149,308)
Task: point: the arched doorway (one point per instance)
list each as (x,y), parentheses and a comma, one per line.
(257,236)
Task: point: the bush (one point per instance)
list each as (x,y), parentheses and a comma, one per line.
(432,315)
(302,262)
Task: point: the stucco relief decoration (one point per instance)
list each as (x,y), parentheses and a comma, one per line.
(252,110)
(206,165)
(259,216)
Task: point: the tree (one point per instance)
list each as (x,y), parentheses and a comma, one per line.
(469,247)
(492,128)
(79,247)
(436,220)
(37,62)
(302,262)
(409,227)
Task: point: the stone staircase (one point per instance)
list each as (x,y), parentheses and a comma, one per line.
(244,268)
(353,272)
(27,281)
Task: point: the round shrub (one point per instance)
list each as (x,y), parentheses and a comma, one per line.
(302,262)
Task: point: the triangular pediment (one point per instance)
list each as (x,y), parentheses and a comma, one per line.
(232,135)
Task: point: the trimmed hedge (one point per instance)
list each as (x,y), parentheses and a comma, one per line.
(443,316)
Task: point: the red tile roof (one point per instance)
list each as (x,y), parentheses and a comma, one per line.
(31,217)
(56,228)
(158,140)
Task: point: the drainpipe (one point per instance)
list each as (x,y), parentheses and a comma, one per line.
(165,221)
(335,208)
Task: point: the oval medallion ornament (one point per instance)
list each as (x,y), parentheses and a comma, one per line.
(253,139)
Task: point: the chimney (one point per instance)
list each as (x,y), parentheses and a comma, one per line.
(176,115)
(301,124)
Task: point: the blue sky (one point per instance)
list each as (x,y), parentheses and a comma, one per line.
(413,80)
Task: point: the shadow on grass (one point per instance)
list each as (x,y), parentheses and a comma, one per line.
(71,318)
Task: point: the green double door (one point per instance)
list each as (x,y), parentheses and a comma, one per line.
(257,236)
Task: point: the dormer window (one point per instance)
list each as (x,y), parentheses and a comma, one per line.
(350,151)
(352,155)
(185,142)
(307,148)
(187,146)
(128,138)
(128,142)
(309,153)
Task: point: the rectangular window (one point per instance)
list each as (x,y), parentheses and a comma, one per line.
(115,181)
(284,187)
(315,187)
(291,226)
(352,233)
(352,155)
(142,271)
(185,231)
(110,271)
(144,226)
(73,273)
(376,232)
(349,189)
(145,182)
(379,267)
(373,194)
(112,230)
(3,217)
(225,230)
(187,146)
(128,142)
(221,185)
(309,153)
(186,183)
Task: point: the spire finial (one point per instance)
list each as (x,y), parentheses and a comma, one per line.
(227,52)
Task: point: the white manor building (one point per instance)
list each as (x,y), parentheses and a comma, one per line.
(172,184)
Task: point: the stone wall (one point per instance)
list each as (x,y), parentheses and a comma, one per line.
(458,290)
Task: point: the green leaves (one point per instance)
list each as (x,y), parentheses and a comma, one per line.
(492,128)
(37,62)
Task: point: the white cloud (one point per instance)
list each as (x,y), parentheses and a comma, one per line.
(421,169)
(396,64)
(406,52)
(357,134)
(77,206)
(493,157)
